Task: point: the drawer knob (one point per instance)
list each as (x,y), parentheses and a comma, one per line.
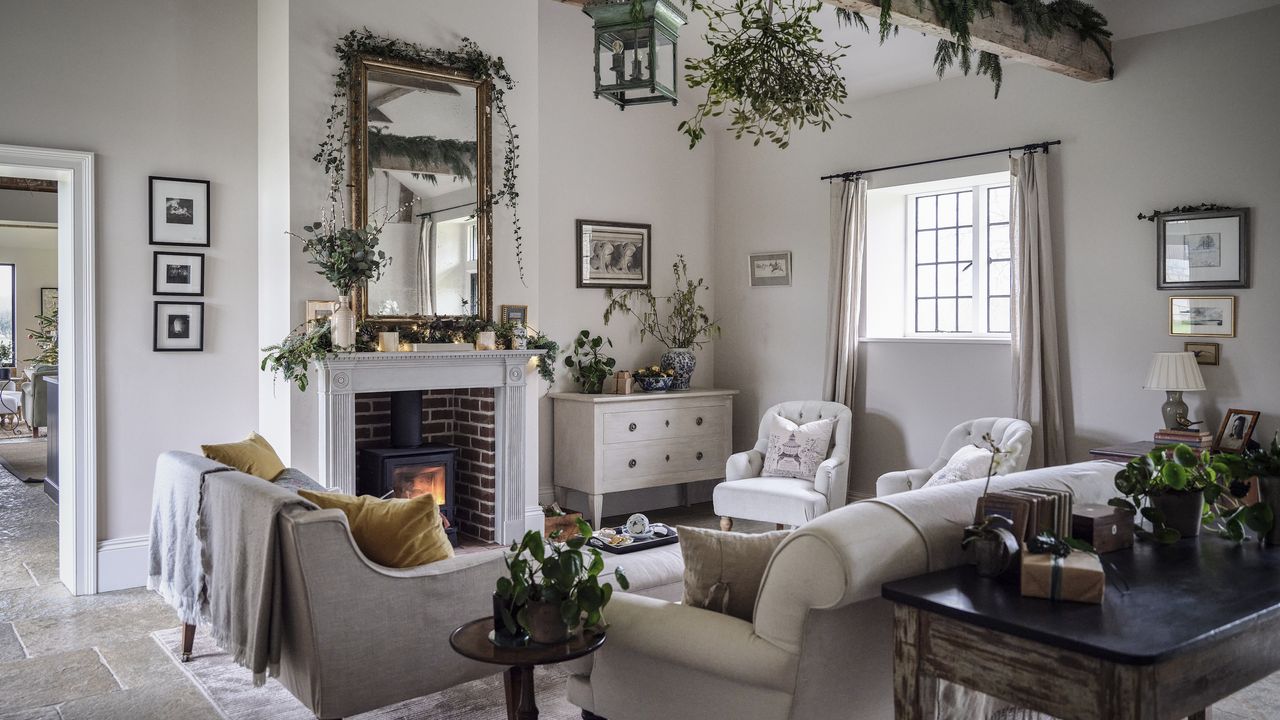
(699,454)
(668,458)
(632,463)
(668,423)
(698,421)
(632,427)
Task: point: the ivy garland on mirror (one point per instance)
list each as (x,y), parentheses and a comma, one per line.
(332,154)
(459,156)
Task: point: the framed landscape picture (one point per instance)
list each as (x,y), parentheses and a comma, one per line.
(1202,250)
(1203,316)
(179,327)
(179,211)
(613,254)
(770,269)
(176,273)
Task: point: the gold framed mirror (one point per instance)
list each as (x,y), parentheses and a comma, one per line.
(420,144)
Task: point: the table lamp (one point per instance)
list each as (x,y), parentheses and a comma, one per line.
(1175,373)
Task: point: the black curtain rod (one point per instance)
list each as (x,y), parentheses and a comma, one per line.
(1025,148)
(429,213)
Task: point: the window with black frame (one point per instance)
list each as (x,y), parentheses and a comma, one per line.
(8,314)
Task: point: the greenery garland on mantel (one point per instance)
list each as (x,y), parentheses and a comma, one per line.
(332,154)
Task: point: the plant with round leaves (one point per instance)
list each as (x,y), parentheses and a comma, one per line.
(565,573)
(587,363)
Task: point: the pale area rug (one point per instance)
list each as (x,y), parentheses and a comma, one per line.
(230,688)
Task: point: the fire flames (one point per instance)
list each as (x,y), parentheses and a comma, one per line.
(411,482)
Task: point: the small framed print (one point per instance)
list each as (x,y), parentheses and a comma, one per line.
(770,269)
(320,309)
(177,273)
(179,211)
(1203,316)
(1202,250)
(48,300)
(1207,353)
(1237,429)
(517,314)
(613,254)
(179,327)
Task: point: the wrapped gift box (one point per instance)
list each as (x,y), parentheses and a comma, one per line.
(1077,577)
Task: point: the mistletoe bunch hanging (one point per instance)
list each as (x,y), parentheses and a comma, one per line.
(469,58)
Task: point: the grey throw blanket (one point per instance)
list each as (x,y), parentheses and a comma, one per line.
(176,570)
(238,531)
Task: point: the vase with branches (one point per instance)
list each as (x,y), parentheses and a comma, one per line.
(347,257)
(684,327)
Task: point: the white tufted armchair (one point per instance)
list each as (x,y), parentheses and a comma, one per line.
(782,500)
(1009,434)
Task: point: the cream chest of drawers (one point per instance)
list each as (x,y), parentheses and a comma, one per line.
(610,443)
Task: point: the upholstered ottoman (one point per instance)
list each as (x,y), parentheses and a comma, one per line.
(656,573)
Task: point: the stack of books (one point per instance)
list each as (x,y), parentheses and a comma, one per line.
(1032,510)
(1197,439)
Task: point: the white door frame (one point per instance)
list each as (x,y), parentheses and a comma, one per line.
(77,387)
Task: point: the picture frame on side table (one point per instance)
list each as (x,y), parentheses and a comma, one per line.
(1207,353)
(1203,316)
(179,212)
(770,269)
(317,310)
(517,314)
(613,254)
(1202,250)
(1236,431)
(179,327)
(48,300)
(177,273)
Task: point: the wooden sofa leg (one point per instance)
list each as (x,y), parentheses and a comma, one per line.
(188,639)
(726,523)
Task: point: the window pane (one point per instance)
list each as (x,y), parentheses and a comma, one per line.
(947,280)
(926,212)
(926,246)
(998,283)
(998,204)
(965,310)
(966,243)
(966,208)
(947,210)
(965,286)
(7,314)
(946,316)
(925,281)
(947,245)
(998,242)
(926,311)
(998,315)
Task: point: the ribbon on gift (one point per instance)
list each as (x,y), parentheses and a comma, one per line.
(1055,577)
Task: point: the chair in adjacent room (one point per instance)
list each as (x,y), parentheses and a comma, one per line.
(1009,434)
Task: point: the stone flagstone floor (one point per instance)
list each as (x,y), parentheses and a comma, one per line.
(92,658)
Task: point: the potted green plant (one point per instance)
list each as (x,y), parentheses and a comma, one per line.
(552,589)
(588,365)
(348,258)
(686,327)
(1263,467)
(1175,489)
(46,338)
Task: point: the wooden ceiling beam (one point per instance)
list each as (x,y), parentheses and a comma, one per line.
(28,184)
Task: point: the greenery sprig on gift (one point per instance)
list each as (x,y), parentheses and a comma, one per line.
(686,324)
(1202,207)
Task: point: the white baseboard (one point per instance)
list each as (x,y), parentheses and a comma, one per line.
(122,563)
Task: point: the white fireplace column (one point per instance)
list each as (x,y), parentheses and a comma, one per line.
(341,377)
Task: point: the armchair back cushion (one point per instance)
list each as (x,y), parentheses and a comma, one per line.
(796,450)
(398,533)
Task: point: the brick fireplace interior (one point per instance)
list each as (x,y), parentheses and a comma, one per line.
(462,418)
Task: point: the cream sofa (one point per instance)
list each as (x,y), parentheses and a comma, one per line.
(820,645)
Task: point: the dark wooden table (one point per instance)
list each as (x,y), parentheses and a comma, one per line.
(1201,620)
(1123,453)
(472,641)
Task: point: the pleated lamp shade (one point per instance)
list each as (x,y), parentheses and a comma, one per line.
(1174,371)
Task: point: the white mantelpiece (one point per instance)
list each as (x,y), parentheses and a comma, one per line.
(342,376)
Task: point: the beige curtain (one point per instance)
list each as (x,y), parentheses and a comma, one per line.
(848,257)
(426,262)
(1037,379)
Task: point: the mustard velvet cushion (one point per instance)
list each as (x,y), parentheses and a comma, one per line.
(253,455)
(723,570)
(396,532)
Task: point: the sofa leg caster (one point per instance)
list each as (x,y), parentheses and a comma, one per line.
(588,715)
(188,639)
(726,523)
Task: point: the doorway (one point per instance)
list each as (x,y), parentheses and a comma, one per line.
(74,403)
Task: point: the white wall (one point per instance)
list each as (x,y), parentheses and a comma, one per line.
(27,206)
(154,87)
(34,254)
(1189,118)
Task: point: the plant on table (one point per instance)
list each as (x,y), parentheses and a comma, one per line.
(587,363)
(552,588)
(45,336)
(991,537)
(1261,467)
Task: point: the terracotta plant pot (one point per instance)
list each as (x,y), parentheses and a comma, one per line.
(1182,511)
(545,624)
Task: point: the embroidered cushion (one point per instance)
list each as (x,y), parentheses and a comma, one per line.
(968,463)
(796,451)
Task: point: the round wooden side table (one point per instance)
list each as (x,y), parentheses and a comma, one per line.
(472,641)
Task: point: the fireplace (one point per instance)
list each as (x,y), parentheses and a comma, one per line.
(411,472)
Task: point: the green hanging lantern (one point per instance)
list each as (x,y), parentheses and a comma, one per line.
(635,50)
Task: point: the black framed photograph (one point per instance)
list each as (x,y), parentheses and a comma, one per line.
(179,211)
(1205,316)
(770,269)
(1202,250)
(613,254)
(48,300)
(516,314)
(179,327)
(177,273)
(1207,353)
(1236,430)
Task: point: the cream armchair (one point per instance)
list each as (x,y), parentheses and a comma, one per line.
(787,501)
(1011,435)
